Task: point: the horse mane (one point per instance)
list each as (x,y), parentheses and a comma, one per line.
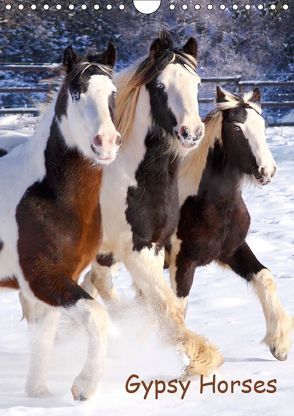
(234,100)
(63,80)
(195,161)
(130,81)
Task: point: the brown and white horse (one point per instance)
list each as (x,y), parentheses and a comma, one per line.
(157,113)
(50,225)
(214,220)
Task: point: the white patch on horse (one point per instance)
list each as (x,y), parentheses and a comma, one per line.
(94,318)
(181,86)
(278,323)
(90,117)
(254,130)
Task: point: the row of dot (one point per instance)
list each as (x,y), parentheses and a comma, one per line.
(70,6)
(223,6)
(172,7)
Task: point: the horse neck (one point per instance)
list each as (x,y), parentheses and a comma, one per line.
(194,164)
(33,149)
(42,132)
(207,168)
(221,180)
(70,177)
(137,142)
(141,123)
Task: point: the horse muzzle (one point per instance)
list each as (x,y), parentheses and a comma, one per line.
(190,139)
(106,149)
(264,175)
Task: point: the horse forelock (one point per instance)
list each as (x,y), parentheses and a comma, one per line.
(213,120)
(65,81)
(233,101)
(80,68)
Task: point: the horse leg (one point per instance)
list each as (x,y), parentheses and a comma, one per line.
(146,268)
(42,321)
(98,281)
(278,322)
(182,271)
(64,293)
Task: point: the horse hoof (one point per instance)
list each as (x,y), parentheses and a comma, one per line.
(77,394)
(277,355)
(82,390)
(204,357)
(80,398)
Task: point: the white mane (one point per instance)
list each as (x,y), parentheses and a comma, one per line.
(233,101)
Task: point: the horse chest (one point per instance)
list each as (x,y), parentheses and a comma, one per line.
(59,233)
(214,222)
(153,205)
(211,228)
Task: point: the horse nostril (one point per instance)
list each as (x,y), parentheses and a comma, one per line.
(262,171)
(118,141)
(98,140)
(184,132)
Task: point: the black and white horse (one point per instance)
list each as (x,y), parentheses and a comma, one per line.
(50,225)
(214,220)
(157,114)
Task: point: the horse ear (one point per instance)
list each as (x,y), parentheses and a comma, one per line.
(191,47)
(109,56)
(162,43)
(155,48)
(220,95)
(70,58)
(256,96)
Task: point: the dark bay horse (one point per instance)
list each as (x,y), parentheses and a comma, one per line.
(214,220)
(50,226)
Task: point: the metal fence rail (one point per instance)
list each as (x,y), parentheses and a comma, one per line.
(29,67)
(55,68)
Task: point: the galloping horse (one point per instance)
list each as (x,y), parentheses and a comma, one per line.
(50,225)
(157,114)
(214,220)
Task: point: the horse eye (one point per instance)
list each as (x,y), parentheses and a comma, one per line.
(160,85)
(114,93)
(76,95)
(237,128)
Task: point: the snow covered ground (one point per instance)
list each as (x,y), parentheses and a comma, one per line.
(222,307)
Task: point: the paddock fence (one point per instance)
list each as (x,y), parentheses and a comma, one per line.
(237,82)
